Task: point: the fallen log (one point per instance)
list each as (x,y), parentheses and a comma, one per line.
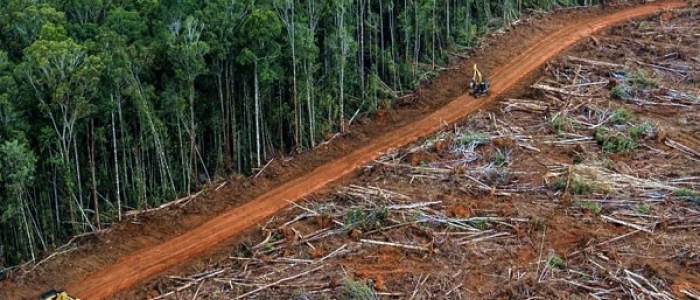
(593,62)
(556,90)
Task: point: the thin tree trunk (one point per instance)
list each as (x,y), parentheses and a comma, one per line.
(26,226)
(77,174)
(257,113)
(224,119)
(309,103)
(360,22)
(116,168)
(94,177)
(341,26)
(192,135)
(433,46)
(297,112)
(447,10)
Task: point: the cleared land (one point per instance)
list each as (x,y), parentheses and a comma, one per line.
(587,187)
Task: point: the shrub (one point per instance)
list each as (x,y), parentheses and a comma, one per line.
(358,290)
(358,218)
(473,139)
(621,116)
(591,206)
(613,141)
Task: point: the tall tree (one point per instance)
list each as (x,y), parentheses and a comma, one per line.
(187,52)
(260,34)
(64,78)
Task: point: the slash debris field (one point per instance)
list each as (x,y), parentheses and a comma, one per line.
(586,187)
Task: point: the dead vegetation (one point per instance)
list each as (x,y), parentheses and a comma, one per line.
(587,188)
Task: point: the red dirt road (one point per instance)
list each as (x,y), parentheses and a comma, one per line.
(148,262)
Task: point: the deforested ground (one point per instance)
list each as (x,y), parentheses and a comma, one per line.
(587,186)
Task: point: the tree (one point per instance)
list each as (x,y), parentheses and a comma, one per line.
(64,78)
(285,10)
(260,32)
(22,21)
(17,163)
(187,53)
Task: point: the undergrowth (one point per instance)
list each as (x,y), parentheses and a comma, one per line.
(622,132)
(358,290)
(359,218)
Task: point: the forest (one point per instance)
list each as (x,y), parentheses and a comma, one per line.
(113,105)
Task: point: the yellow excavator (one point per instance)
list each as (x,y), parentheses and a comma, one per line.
(478,86)
(56,295)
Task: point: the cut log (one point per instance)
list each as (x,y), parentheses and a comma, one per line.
(555,90)
(593,62)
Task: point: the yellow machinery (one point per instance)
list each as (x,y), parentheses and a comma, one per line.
(478,86)
(56,295)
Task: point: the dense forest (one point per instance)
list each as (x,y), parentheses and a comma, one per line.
(112,105)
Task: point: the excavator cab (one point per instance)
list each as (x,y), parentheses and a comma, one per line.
(56,295)
(478,86)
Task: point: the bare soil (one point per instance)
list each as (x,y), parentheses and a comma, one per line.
(132,251)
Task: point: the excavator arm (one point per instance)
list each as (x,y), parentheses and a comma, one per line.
(477,75)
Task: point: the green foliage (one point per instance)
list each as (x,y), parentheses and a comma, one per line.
(365,219)
(498,157)
(685,193)
(473,139)
(614,141)
(480,224)
(580,186)
(626,133)
(577,185)
(591,206)
(358,290)
(557,262)
(688,194)
(638,131)
(561,123)
(641,80)
(619,92)
(621,116)
(560,184)
(643,208)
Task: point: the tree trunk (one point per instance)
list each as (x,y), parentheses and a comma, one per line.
(92,171)
(257,114)
(224,115)
(341,26)
(192,135)
(116,168)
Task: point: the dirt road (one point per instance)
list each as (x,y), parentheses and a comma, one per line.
(146,263)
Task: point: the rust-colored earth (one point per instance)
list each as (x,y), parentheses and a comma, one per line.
(149,261)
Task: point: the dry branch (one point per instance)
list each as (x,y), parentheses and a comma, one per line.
(404,246)
(593,62)
(631,225)
(680,72)
(278,282)
(555,90)
(680,147)
(162,206)
(263,168)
